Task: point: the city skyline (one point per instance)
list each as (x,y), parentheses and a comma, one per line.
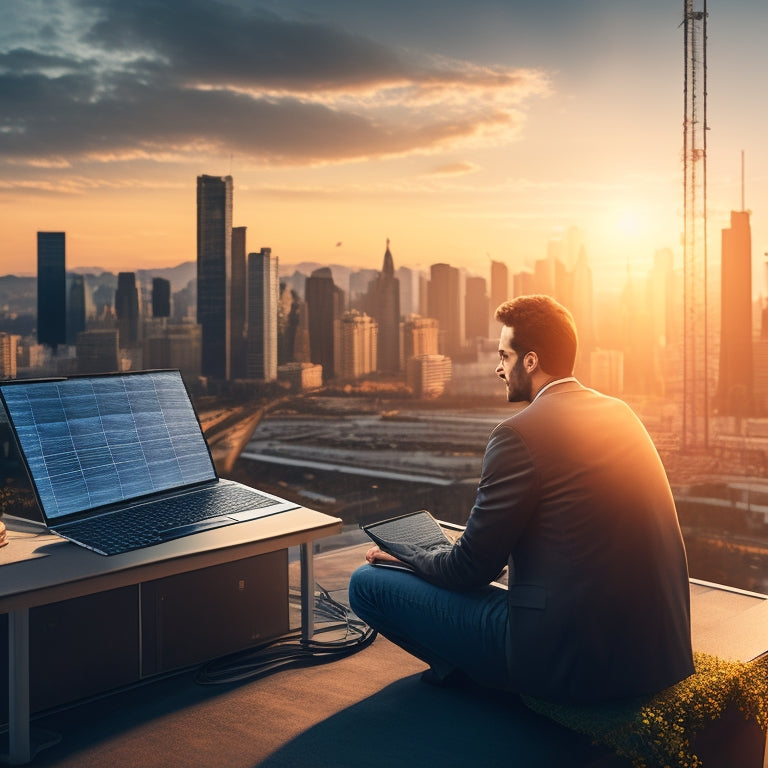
(476,133)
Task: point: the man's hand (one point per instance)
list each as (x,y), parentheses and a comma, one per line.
(376,555)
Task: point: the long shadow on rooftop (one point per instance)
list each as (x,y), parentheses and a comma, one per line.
(408,723)
(369,709)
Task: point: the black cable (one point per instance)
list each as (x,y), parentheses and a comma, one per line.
(289,650)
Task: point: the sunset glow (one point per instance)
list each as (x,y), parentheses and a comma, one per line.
(462,131)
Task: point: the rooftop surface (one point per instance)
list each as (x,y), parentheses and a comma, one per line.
(369,708)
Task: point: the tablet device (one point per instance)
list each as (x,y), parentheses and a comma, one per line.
(418,528)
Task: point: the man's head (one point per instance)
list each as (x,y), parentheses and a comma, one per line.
(538,343)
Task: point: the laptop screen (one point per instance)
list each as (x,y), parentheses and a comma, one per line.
(96,440)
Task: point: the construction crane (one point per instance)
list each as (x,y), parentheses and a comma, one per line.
(695,327)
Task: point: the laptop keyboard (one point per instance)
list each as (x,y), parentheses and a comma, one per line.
(163,519)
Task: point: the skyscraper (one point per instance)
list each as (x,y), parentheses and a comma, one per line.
(662,316)
(97,351)
(477,308)
(8,345)
(51,289)
(735,382)
(175,346)
(214,265)
(523,283)
(544,275)
(384,304)
(444,302)
(499,284)
(409,295)
(427,375)
(419,337)
(75,308)
(263,296)
(161,297)
(325,305)
(635,324)
(127,309)
(583,311)
(360,288)
(358,345)
(237,308)
(292,330)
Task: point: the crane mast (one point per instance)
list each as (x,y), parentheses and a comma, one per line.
(695,327)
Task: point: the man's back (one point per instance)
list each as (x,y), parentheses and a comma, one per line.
(601,546)
(573,497)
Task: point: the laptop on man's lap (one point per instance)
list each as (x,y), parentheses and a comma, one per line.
(119,461)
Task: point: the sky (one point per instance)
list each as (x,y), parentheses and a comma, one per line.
(463,131)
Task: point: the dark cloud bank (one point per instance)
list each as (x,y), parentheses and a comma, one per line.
(179,76)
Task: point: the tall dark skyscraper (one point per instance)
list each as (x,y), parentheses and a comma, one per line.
(161,297)
(75,308)
(127,309)
(214,270)
(384,306)
(263,294)
(325,307)
(735,382)
(51,289)
(237,305)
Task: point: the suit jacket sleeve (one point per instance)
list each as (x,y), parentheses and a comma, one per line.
(506,499)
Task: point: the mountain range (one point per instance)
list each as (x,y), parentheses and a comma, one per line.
(18,294)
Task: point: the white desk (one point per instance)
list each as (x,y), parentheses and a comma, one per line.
(40,569)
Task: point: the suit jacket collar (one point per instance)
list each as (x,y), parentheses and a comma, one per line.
(554,384)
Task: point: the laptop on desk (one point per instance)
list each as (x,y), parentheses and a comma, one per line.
(119,461)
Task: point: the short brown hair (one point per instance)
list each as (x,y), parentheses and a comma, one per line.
(545,327)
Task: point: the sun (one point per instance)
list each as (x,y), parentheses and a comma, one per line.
(629,222)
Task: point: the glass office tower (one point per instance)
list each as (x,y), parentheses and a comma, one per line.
(51,289)
(237,305)
(263,295)
(75,308)
(161,297)
(127,308)
(385,309)
(214,265)
(325,306)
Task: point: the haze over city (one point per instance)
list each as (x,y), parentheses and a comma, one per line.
(463,131)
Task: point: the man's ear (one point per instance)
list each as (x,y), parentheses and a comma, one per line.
(530,362)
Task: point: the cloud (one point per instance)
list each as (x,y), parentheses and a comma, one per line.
(218,43)
(454,169)
(21,60)
(78,185)
(164,78)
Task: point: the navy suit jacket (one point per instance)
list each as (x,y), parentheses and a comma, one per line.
(574,499)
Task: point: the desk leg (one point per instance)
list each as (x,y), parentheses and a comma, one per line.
(307,592)
(19,749)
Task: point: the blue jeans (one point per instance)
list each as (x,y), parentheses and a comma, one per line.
(449,630)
